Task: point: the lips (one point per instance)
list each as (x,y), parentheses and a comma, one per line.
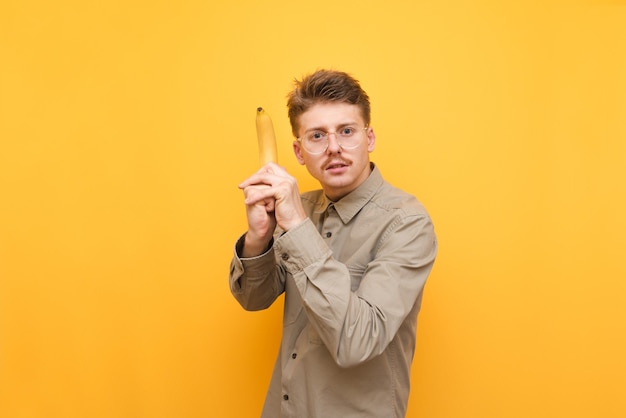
(335,165)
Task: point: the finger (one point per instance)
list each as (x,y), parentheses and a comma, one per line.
(267,174)
(270,205)
(256,194)
(259,179)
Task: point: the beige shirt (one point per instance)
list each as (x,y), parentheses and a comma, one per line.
(353,276)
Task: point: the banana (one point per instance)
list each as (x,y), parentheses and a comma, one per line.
(265,135)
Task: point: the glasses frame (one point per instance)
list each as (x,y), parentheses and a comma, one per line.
(328,141)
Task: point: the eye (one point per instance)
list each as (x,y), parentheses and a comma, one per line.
(347,131)
(316,136)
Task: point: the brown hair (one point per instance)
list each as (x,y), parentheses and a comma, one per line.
(325,86)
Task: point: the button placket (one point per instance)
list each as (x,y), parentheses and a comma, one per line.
(329,213)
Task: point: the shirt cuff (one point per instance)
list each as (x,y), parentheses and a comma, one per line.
(301,246)
(257,263)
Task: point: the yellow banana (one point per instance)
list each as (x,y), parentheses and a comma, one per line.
(266,137)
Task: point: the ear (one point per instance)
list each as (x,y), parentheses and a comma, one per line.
(371,139)
(297,150)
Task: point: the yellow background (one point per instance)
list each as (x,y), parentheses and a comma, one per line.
(125,127)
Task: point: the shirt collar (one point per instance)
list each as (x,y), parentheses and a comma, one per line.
(353,202)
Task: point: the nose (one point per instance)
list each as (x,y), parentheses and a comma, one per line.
(333,146)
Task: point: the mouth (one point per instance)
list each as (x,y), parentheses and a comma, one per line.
(337,165)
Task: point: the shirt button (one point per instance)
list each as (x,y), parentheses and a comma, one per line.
(329,234)
(286,397)
(284,256)
(294,355)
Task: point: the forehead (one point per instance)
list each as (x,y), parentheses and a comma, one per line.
(330,115)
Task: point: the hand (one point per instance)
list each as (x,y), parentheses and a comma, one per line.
(272,198)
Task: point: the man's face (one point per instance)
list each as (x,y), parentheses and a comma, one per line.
(338,170)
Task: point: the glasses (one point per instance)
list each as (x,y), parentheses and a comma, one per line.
(316,142)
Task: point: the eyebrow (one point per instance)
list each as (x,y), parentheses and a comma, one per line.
(324,129)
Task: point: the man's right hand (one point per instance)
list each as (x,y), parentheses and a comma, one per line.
(272,198)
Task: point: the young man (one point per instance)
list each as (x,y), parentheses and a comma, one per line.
(351,258)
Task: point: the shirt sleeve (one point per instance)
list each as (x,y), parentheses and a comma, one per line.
(254,281)
(358,325)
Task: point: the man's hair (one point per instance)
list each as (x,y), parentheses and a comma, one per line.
(324,86)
